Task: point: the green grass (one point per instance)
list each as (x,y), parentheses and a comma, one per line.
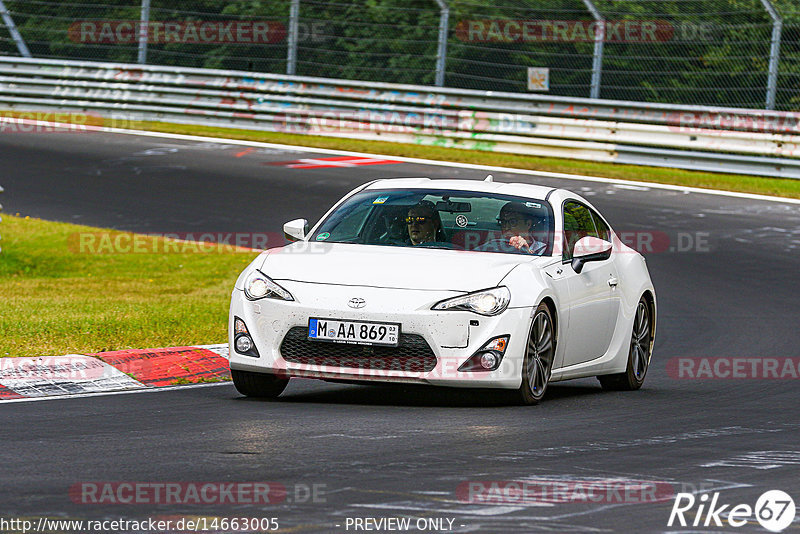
(199,380)
(726,182)
(55,299)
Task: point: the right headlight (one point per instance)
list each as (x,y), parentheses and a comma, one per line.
(258,285)
(486,302)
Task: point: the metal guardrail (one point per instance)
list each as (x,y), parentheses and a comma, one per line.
(765,143)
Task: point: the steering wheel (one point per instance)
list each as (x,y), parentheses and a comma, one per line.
(496,243)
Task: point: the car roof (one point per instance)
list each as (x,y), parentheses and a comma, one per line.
(516,189)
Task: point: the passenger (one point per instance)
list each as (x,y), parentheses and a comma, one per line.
(424,224)
(516,223)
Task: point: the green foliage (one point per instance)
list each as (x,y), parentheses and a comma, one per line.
(712,52)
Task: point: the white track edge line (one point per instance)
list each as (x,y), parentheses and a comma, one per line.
(509,170)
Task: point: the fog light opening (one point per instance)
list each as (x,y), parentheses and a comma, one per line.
(489,357)
(243,344)
(488,360)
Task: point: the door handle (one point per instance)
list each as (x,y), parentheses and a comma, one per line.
(613,281)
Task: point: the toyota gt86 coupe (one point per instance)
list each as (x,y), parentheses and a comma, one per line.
(460,283)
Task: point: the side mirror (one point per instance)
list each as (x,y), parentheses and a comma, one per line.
(590,249)
(295,230)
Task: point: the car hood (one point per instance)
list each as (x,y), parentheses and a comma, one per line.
(390,267)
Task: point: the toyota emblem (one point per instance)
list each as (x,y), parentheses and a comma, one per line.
(357,303)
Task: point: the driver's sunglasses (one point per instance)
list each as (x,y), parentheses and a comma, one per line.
(509,222)
(418,220)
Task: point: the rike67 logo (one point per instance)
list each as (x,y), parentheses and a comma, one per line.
(774,510)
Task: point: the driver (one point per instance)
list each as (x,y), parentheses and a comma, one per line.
(424,223)
(394,221)
(516,223)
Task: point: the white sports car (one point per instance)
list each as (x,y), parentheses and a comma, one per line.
(446,282)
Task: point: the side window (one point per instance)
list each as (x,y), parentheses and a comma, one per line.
(603,231)
(578,223)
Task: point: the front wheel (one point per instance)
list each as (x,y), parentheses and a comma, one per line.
(538,362)
(638,355)
(258,384)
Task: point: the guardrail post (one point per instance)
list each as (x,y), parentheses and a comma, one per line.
(144,31)
(12,29)
(599,40)
(294,24)
(441,52)
(774,52)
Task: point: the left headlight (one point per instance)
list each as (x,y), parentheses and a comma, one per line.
(487,302)
(258,285)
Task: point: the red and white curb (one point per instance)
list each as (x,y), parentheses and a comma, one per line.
(125,370)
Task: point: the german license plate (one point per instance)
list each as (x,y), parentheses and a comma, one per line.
(355,332)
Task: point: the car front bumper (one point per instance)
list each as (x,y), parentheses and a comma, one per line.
(452,336)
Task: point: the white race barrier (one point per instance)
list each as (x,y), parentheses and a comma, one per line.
(765,143)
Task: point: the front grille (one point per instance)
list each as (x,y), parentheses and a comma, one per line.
(412,354)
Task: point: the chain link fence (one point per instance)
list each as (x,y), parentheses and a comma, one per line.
(707,52)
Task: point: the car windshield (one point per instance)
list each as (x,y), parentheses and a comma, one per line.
(436,218)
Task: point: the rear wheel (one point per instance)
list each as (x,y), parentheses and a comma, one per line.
(538,362)
(258,384)
(638,355)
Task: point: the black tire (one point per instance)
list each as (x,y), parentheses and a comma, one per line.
(538,362)
(260,385)
(639,354)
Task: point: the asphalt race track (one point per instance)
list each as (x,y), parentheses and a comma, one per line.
(727,283)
